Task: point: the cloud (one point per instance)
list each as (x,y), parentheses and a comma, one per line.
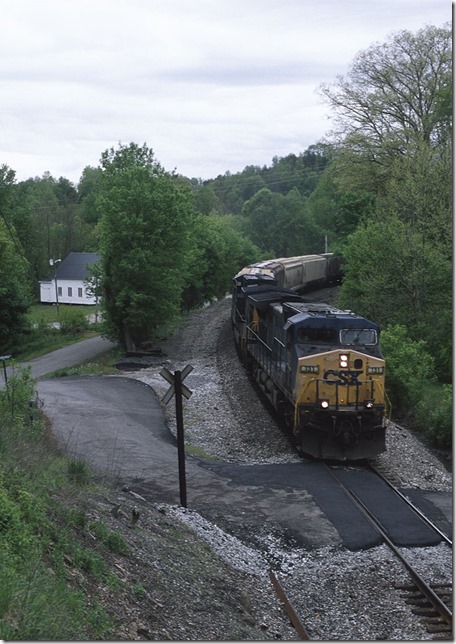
(210,86)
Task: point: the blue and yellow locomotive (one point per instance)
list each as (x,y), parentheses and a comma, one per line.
(319,366)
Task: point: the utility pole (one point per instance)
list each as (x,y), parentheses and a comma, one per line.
(54,262)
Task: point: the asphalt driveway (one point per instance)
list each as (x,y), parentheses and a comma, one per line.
(116,424)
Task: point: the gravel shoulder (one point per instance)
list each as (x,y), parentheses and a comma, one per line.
(192,581)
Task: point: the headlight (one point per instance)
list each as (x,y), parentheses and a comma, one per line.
(377,370)
(307,368)
(343,361)
(324,404)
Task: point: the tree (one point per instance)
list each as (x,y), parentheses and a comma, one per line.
(14,295)
(282,226)
(145,223)
(409,367)
(392,276)
(218,253)
(419,192)
(395,95)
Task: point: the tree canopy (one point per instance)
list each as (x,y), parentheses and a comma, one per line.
(396,94)
(145,221)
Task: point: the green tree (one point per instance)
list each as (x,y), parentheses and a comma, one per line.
(206,200)
(394,277)
(14,294)
(395,95)
(419,192)
(145,224)
(282,225)
(409,367)
(46,218)
(218,253)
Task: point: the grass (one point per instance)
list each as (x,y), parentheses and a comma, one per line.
(102,364)
(44,337)
(194,450)
(39,533)
(38,344)
(50,313)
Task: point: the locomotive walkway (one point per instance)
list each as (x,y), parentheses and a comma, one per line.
(116,424)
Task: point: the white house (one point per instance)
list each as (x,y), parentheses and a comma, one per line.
(67,284)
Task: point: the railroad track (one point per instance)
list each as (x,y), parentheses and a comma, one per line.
(413,507)
(435,601)
(430,602)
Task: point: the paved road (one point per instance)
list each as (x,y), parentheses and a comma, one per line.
(116,424)
(69,356)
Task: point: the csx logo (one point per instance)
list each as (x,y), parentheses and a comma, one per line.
(343,377)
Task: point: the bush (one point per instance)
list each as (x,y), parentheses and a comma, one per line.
(435,416)
(36,601)
(15,398)
(409,367)
(73,321)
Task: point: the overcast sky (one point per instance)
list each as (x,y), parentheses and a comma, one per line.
(210,85)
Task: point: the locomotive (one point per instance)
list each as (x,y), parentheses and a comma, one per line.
(319,366)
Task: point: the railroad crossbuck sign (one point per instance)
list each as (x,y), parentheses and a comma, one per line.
(178,389)
(167,375)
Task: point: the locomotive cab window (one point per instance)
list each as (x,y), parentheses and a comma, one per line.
(317,336)
(358,336)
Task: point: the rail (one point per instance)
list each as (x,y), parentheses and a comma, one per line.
(443,611)
(424,587)
(413,507)
(292,614)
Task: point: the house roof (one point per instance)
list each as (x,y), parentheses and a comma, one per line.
(74,266)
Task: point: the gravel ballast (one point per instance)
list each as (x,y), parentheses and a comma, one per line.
(339,594)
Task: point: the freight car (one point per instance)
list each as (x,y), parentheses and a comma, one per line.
(320,367)
(298,274)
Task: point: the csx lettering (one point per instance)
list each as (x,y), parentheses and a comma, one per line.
(344,377)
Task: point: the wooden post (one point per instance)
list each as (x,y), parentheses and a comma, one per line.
(180,438)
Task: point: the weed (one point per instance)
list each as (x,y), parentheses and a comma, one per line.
(193,450)
(139,591)
(78,472)
(113,541)
(38,536)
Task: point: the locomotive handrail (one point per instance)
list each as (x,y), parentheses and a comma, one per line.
(388,405)
(249,329)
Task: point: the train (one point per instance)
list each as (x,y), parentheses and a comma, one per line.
(320,367)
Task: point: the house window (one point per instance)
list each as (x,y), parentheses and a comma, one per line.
(59,290)
(79,291)
(70,292)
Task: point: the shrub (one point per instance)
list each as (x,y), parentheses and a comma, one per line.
(435,416)
(409,367)
(73,321)
(78,471)
(16,396)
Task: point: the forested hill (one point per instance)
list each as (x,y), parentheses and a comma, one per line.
(302,171)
